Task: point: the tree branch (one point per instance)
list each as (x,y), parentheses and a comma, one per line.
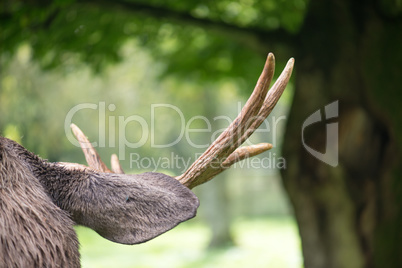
(254,37)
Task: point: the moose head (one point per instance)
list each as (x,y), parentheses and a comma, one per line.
(41,201)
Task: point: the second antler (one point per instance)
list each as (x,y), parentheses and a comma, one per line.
(224,151)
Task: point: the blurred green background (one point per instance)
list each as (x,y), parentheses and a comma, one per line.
(244,213)
(204,57)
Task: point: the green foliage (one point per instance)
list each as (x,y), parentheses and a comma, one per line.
(69,32)
(60,30)
(36,104)
(58,54)
(11,132)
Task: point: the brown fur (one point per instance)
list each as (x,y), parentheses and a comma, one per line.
(34,232)
(40,201)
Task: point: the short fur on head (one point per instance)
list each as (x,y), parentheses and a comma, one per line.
(41,201)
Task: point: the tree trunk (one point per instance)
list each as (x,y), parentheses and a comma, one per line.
(216,212)
(348,215)
(214,195)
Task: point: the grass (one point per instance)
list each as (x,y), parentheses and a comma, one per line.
(267,242)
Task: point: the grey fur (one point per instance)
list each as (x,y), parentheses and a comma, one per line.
(40,202)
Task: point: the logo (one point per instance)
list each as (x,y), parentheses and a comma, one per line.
(331,153)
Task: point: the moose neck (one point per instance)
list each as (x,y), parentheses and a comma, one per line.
(53,177)
(35,232)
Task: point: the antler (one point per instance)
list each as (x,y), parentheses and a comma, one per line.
(224,151)
(91,155)
(218,156)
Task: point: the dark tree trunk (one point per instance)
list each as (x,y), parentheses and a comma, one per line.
(348,215)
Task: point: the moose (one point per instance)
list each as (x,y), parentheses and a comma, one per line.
(40,201)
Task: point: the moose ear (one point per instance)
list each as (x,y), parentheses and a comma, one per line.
(131,209)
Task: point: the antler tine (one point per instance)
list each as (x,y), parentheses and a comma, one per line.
(245,152)
(91,155)
(116,167)
(270,101)
(274,94)
(209,163)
